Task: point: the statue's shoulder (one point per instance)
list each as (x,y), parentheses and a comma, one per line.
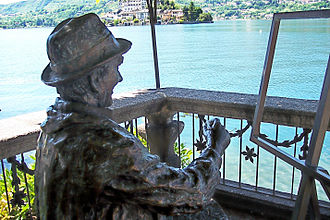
(100,130)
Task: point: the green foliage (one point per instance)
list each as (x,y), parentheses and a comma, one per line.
(192,12)
(143,141)
(245,9)
(253,9)
(185,153)
(23,212)
(205,17)
(136,21)
(49,13)
(116,22)
(166,4)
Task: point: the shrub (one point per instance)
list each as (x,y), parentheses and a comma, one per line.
(17,212)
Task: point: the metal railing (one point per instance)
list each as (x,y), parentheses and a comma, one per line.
(241,160)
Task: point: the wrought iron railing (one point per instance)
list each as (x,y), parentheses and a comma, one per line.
(244,167)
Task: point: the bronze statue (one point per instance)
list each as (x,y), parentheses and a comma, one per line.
(88,167)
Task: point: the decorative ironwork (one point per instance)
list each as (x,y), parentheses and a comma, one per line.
(287,143)
(201,121)
(249,153)
(19,194)
(296,139)
(304,147)
(26,183)
(20,166)
(201,143)
(5,183)
(239,133)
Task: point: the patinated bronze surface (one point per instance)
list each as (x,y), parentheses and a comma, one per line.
(88,167)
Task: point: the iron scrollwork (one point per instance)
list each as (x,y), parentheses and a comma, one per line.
(240,133)
(18,194)
(200,143)
(249,153)
(296,139)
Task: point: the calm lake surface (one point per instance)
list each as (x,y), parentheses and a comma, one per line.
(226,56)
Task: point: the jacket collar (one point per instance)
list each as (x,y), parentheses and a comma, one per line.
(64,113)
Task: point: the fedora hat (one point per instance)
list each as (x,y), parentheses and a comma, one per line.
(78,45)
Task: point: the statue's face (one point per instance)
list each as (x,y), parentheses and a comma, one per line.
(110,79)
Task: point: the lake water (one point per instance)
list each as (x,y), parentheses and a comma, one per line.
(226,56)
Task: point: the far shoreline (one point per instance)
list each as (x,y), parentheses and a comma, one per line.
(184,23)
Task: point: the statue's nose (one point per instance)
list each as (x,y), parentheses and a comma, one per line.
(120,78)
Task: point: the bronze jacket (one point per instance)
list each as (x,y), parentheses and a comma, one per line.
(88,167)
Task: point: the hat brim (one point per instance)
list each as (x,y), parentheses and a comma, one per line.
(51,78)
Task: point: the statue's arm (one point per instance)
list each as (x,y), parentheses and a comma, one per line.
(174,190)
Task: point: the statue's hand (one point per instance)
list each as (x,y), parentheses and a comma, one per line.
(217,136)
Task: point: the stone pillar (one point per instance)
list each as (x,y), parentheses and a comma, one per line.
(162,132)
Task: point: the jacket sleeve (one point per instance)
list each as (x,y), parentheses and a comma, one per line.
(167,189)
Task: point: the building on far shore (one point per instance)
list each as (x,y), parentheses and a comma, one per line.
(132,5)
(142,14)
(174,15)
(135,11)
(128,11)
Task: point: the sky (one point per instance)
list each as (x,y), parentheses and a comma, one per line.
(4,2)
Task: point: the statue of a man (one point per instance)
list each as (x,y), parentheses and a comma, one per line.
(88,167)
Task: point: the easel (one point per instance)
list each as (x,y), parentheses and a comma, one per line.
(310,170)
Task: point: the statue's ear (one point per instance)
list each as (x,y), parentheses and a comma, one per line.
(94,80)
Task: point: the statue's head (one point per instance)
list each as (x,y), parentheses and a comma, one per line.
(84,58)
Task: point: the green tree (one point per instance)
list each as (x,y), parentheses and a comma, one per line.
(185,11)
(172,4)
(192,12)
(205,17)
(136,21)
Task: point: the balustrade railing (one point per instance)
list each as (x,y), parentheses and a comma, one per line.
(286,122)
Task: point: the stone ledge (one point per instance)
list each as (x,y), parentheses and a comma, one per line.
(16,131)
(21,125)
(278,110)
